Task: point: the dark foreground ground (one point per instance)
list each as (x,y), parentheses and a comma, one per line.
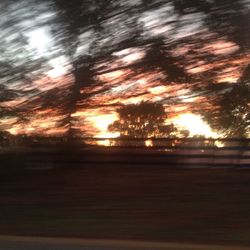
(152,202)
(42,243)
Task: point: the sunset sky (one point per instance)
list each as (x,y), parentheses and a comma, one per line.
(118,82)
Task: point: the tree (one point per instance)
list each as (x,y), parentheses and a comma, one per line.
(144,120)
(158,57)
(74,20)
(231,113)
(20,63)
(91,34)
(99,22)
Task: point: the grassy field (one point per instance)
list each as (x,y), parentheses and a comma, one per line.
(157,203)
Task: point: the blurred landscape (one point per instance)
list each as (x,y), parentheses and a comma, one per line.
(193,192)
(125,119)
(110,69)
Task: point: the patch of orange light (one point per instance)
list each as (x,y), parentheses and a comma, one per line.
(179,108)
(134,100)
(195,125)
(45,111)
(14,130)
(106,143)
(149,143)
(222,47)
(7,121)
(129,100)
(40,123)
(46,83)
(199,69)
(232,73)
(158,89)
(101,123)
(187,99)
(231,79)
(112,75)
(14,103)
(229,76)
(96,123)
(56,131)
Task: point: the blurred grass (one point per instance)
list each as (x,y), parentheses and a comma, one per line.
(129,202)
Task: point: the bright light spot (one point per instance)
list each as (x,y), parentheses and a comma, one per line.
(133,57)
(101,122)
(198,69)
(13,130)
(30,129)
(42,122)
(7,121)
(112,75)
(59,66)
(121,88)
(130,55)
(158,90)
(188,99)
(40,40)
(221,47)
(85,40)
(133,100)
(158,20)
(105,143)
(229,76)
(187,27)
(149,143)
(57,71)
(219,144)
(194,124)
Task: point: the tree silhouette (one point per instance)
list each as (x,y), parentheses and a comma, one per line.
(144,120)
(74,19)
(90,34)
(101,18)
(231,114)
(158,57)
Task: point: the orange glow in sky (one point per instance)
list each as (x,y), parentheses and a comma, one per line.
(194,124)
(123,87)
(101,123)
